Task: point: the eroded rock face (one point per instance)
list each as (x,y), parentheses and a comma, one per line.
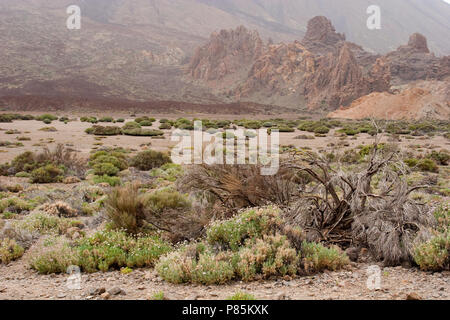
(280,70)
(321,36)
(414,61)
(227,52)
(339,79)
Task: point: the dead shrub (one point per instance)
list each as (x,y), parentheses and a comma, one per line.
(343,208)
(240,186)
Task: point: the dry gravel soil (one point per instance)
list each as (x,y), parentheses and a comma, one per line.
(17,281)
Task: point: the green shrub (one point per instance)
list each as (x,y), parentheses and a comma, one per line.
(166,198)
(146,123)
(47,118)
(165,126)
(434,255)
(159,296)
(106,119)
(9,251)
(427,165)
(108,163)
(104,131)
(112,181)
(55,255)
(48,174)
(316,258)
(241,296)
(441,157)
(45,223)
(105,169)
(194,264)
(322,130)
(24,162)
(102,251)
(232,233)
(147,160)
(89,119)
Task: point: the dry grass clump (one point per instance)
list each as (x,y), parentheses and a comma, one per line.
(9,251)
(266,257)
(165,210)
(60,209)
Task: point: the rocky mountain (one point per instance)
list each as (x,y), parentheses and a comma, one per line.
(162,50)
(321,71)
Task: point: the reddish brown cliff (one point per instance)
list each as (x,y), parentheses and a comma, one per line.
(227,52)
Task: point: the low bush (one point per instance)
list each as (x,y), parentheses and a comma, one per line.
(9,251)
(316,258)
(165,126)
(232,233)
(108,162)
(434,255)
(441,157)
(103,251)
(112,181)
(46,118)
(48,174)
(104,131)
(241,296)
(268,256)
(150,159)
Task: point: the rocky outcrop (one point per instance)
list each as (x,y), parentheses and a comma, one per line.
(280,70)
(339,79)
(228,52)
(414,61)
(321,36)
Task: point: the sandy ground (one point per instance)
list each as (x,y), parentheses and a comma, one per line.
(73,135)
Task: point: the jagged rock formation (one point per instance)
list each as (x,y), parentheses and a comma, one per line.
(280,70)
(414,61)
(339,79)
(322,71)
(227,52)
(321,36)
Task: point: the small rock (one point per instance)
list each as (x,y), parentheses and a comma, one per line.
(413,296)
(115,291)
(282,296)
(105,296)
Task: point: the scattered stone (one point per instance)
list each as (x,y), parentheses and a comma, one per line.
(413,296)
(115,291)
(105,296)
